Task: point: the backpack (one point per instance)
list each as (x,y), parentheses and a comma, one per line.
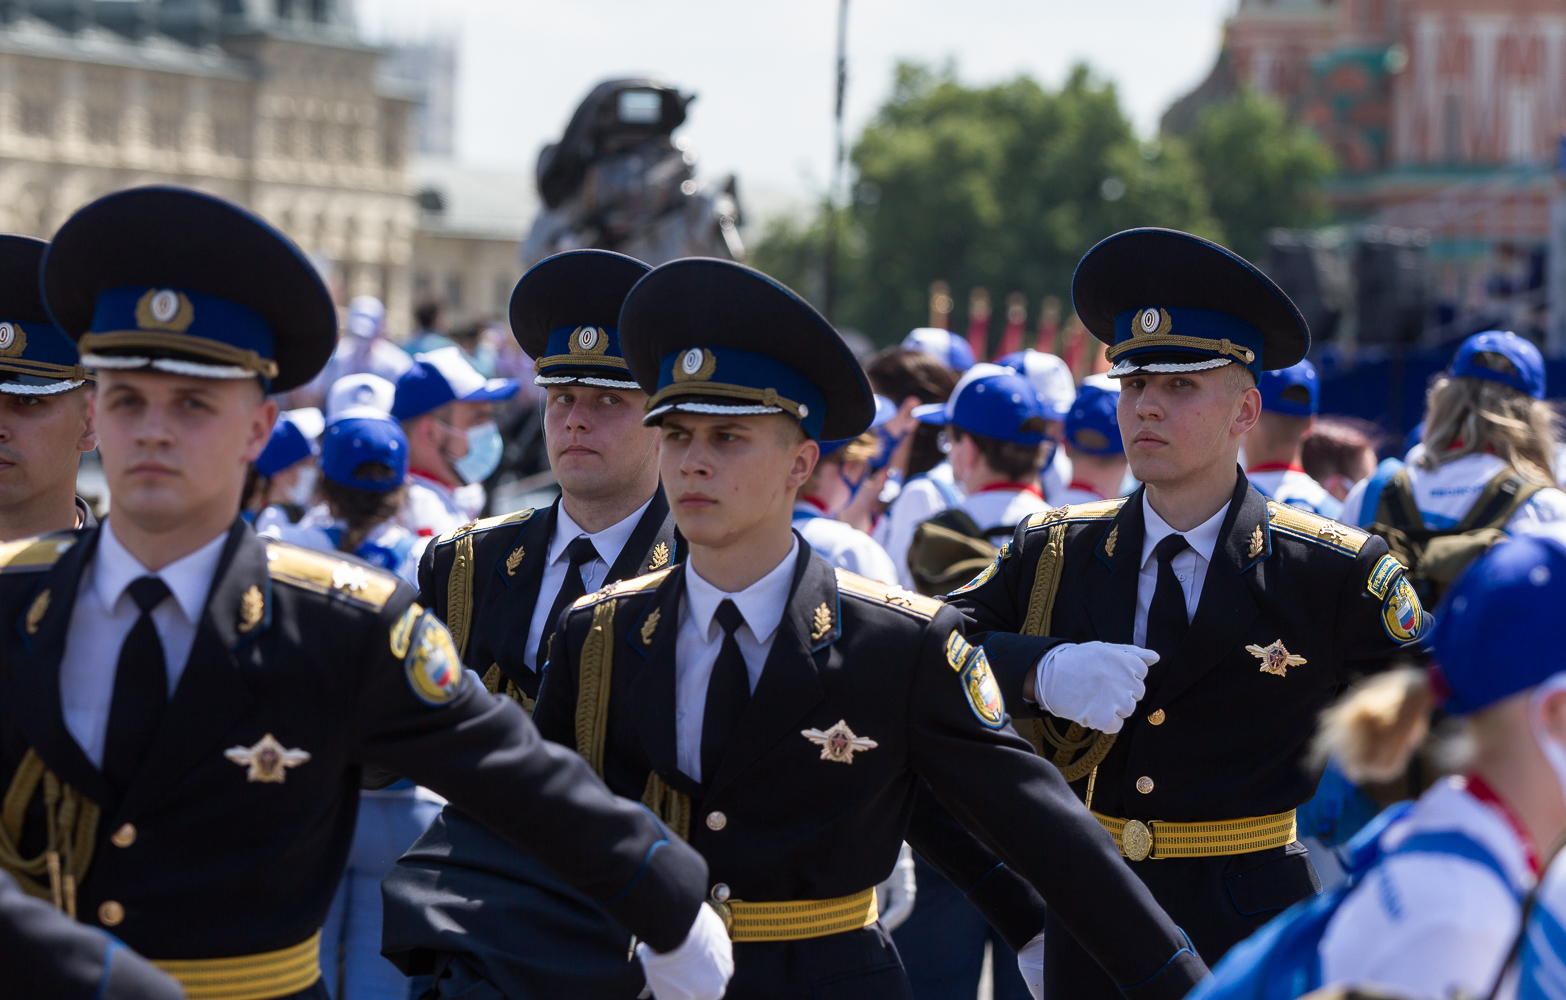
(1282,961)
(1435,557)
(948,550)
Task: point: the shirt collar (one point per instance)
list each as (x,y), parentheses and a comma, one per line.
(762,603)
(609,542)
(1203,538)
(188,578)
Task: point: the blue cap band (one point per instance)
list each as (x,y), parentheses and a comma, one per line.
(705,380)
(593,351)
(41,354)
(1161,339)
(174,323)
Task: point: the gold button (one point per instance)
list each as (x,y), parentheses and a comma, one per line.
(1157,718)
(1144,784)
(716,820)
(110,913)
(720,893)
(124,836)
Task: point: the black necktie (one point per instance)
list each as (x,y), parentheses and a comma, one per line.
(141,689)
(1167,623)
(581,552)
(728,692)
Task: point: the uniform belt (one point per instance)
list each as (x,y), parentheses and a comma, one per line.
(1157,839)
(249,977)
(800,919)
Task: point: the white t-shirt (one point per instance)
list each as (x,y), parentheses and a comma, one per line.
(844,545)
(1430,924)
(1001,507)
(1445,495)
(1055,478)
(1293,487)
(388,545)
(432,507)
(922,498)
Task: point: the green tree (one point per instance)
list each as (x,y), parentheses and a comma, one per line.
(1003,187)
(1261,169)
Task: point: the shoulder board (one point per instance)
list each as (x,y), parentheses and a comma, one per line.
(34,555)
(1098,510)
(325,573)
(623,588)
(485,524)
(890,595)
(1310,527)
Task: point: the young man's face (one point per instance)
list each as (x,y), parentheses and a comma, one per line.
(41,439)
(597,444)
(1185,425)
(724,475)
(173,447)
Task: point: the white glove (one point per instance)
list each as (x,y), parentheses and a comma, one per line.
(1030,962)
(699,969)
(1095,683)
(895,896)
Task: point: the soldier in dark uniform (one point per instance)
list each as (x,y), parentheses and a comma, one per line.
(463,904)
(1252,614)
(187,707)
(45,405)
(780,714)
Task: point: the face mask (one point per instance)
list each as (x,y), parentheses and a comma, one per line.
(483,457)
(1554,751)
(303,491)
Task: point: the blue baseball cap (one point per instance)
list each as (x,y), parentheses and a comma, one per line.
(1495,632)
(1526,367)
(944,346)
(287,445)
(1273,386)
(442,377)
(363,434)
(992,401)
(1092,426)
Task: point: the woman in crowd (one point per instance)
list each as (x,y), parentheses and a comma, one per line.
(839,479)
(281,483)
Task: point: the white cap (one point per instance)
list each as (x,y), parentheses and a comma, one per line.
(308,419)
(366,316)
(1052,380)
(363,389)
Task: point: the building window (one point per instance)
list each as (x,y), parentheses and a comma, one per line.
(1452,126)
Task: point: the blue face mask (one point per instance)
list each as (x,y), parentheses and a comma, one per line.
(483,457)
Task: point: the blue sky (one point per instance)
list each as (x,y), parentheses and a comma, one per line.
(763,72)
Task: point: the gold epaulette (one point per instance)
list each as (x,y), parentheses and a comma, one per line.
(1098,510)
(623,588)
(1304,525)
(890,595)
(328,574)
(485,524)
(34,555)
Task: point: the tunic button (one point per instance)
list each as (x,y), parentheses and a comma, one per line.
(716,820)
(1144,784)
(124,836)
(110,913)
(1157,718)
(720,893)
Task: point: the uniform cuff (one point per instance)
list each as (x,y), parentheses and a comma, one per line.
(661,902)
(1010,904)
(1012,659)
(1177,978)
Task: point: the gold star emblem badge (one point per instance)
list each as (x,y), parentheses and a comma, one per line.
(1275,659)
(838,743)
(268,760)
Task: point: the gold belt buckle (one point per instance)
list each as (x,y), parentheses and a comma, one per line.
(1136,840)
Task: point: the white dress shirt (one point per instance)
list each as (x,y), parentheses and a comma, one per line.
(609,543)
(1190,566)
(701,638)
(102,618)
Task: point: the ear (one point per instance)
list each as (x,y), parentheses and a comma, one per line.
(1552,709)
(89,437)
(806,454)
(261,420)
(1247,411)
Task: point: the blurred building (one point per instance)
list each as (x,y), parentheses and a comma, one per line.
(469,224)
(429,69)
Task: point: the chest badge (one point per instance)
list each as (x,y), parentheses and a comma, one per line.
(1275,659)
(268,760)
(838,743)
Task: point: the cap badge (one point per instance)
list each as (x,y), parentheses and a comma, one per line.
(1152,323)
(164,309)
(13,340)
(1275,659)
(268,760)
(695,365)
(838,743)
(589,340)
